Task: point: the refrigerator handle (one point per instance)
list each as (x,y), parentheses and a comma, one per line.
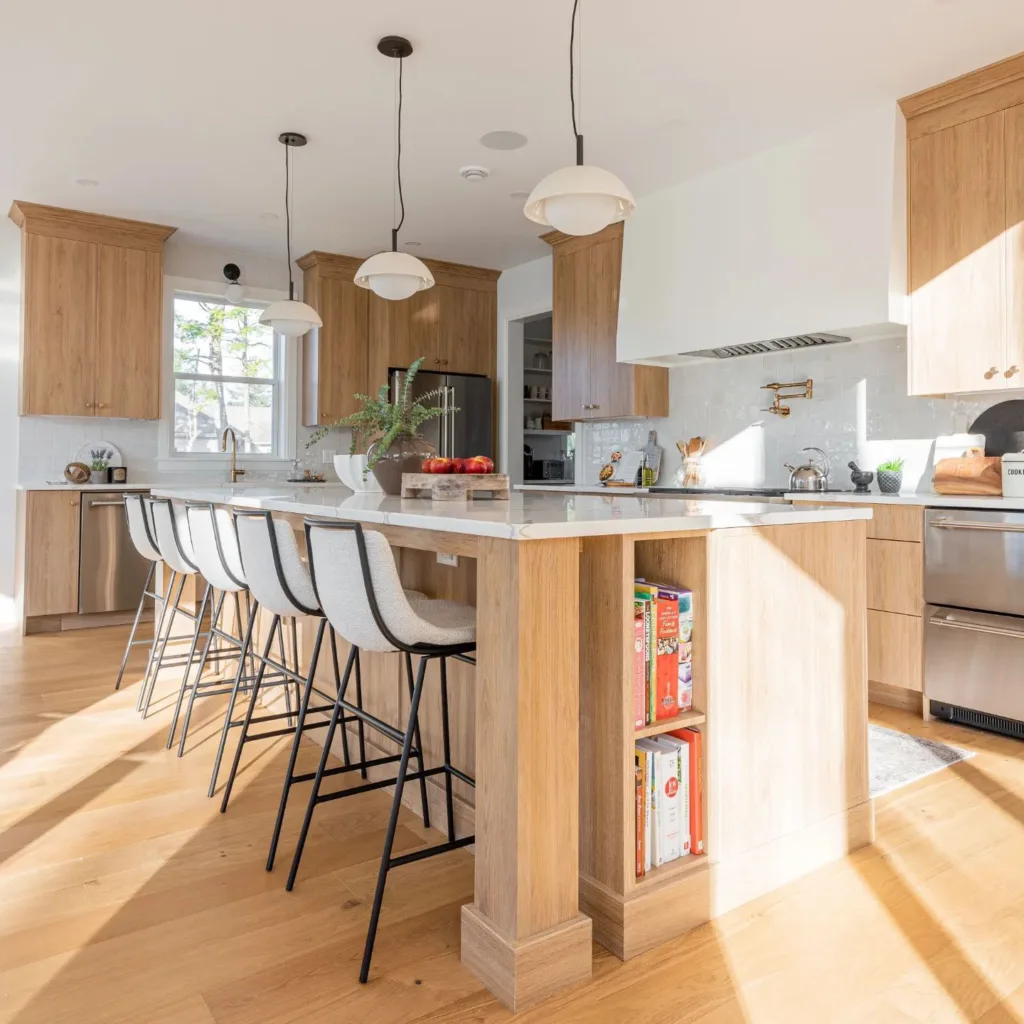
(451,421)
(444,422)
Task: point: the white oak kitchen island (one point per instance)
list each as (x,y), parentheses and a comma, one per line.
(779,692)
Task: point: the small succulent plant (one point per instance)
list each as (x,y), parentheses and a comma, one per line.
(891,466)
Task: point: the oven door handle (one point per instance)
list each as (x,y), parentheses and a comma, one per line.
(950,623)
(942,523)
(106,504)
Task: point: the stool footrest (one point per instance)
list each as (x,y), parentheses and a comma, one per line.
(430,851)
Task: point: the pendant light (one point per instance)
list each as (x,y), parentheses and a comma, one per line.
(580,199)
(395,275)
(290,317)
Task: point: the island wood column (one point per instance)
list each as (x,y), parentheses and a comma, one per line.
(523,935)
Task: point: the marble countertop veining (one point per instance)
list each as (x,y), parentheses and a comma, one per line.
(525,516)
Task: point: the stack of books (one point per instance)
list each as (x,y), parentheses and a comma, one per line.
(669,798)
(663,652)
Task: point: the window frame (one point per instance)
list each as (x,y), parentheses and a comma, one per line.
(285,383)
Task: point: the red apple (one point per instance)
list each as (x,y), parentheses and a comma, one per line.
(478,464)
(458,465)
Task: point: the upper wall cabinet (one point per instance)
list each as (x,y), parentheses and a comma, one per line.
(966,233)
(92,313)
(587,383)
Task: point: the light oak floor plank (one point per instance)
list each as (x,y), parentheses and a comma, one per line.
(126,898)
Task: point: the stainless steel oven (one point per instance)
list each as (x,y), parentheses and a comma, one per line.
(974,617)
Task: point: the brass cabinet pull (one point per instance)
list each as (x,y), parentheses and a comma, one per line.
(88,405)
(101,405)
(1011,371)
(444,362)
(992,371)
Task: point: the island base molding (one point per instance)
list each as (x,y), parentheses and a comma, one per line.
(630,925)
(521,973)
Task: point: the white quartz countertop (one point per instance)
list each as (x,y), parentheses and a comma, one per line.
(580,489)
(925,498)
(63,485)
(525,516)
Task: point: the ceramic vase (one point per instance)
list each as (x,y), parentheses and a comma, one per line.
(404,455)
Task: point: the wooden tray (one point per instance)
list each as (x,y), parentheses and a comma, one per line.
(455,486)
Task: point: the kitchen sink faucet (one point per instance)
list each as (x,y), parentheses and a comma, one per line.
(235,471)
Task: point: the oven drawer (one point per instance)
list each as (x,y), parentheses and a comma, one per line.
(970,661)
(974,560)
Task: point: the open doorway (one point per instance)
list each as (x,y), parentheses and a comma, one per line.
(548,447)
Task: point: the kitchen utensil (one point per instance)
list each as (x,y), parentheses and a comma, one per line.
(77,473)
(809,477)
(861,478)
(692,452)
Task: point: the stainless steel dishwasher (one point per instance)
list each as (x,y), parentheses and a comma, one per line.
(111,573)
(974,617)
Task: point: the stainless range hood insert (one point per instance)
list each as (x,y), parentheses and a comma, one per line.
(763,348)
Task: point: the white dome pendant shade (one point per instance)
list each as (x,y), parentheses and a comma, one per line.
(394,275)
(580,200)
(291,318)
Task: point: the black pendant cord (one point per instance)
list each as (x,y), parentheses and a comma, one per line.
(288,218)
(401,198)
(572,85)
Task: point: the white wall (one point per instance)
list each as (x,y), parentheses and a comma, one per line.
(10,316)
(522,291)
(807,236)
(860,410)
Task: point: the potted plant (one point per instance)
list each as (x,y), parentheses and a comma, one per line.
(99,460)
(393,427)
(890,476)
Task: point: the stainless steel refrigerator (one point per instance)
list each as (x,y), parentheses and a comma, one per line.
(467,425)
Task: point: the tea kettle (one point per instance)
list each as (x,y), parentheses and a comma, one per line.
(809,477)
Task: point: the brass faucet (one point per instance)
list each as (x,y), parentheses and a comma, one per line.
(235,471)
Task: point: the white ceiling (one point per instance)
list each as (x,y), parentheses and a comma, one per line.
(175,108)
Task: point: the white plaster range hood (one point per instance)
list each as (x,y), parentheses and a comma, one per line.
(806,238)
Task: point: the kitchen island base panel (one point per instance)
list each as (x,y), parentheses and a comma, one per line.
(521,973)
(527,759)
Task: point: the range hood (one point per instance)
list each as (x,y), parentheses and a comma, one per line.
(802,243)
(763,348)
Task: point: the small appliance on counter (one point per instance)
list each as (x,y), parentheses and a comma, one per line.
(546,469)
(809,476)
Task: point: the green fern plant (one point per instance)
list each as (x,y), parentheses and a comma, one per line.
(383,420)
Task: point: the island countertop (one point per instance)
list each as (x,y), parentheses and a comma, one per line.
(525,516)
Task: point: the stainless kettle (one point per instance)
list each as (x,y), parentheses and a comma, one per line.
(809,477)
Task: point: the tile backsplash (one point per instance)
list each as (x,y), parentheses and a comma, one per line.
(860,411)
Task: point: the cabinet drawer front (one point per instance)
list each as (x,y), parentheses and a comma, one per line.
(895,581)
(895,652)
(897,522)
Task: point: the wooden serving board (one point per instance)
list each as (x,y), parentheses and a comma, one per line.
(455,486)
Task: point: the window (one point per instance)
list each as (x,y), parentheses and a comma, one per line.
(228,372)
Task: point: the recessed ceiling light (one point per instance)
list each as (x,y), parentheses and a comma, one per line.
(86,182)
(519,195)
(503,140)
(413,245)
(474,172)
(268,216)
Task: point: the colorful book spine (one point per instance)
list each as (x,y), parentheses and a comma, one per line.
(667,672)
(638,774)
(649,594)
(670,816)
(684,694)
(639,666)
(696,773)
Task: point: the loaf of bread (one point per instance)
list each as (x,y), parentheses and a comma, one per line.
(978,475)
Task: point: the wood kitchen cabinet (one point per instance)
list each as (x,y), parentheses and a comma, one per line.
(335,357)
(587,382)
(49,543)
(965,194)
(92,314)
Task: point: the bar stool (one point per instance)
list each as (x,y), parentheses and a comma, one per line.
(356,582)
(170,531)
(215,546)
(280,584)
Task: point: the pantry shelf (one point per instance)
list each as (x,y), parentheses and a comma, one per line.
(686,720)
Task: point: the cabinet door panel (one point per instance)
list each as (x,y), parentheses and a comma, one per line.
(1015,247)
(401,332)
(342,348)
(957,258)
(129,300)
(570,358)
(611,382)
(51,530)
(468,330)
(895,650)
(59,326)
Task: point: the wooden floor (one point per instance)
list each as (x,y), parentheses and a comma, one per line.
(125,896)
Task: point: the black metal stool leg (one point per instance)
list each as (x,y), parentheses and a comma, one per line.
(246,652)
(214,619)
(359,724)
(419,742)
(158,660)
(284,661)
(321,768)
(337,687)
(385,862)
(448,796)
(275,623)
(135,624)
(188,663)
(293,756)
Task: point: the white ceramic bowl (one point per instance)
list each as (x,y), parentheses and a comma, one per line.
(350,472)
